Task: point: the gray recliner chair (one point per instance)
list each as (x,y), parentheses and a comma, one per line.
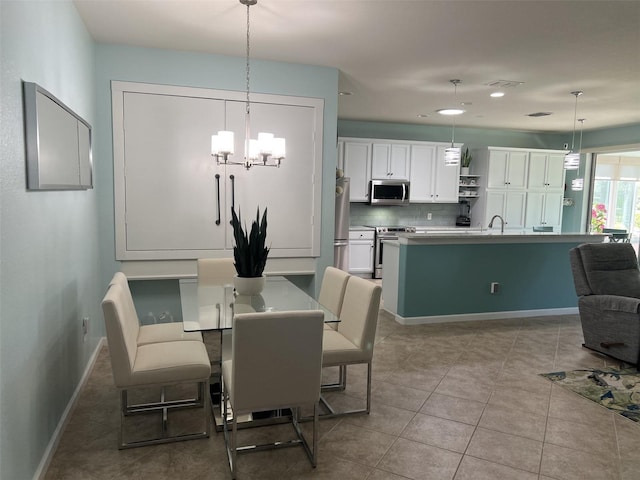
(607,281)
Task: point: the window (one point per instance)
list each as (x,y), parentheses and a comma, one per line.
(616,193)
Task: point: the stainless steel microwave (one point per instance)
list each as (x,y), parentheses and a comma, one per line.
(389,192)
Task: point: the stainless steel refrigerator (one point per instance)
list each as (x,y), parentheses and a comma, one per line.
(341,236)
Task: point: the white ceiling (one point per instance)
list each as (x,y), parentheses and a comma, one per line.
(397,56)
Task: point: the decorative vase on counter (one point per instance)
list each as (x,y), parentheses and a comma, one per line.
(249,285)
(464,170)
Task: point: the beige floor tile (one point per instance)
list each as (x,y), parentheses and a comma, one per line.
(417,377)
(399,396)
(572,407)
(382,475)
(453,408)
(508,397)
(418,461)
(355,444)
(514,421)
(530,382)
(328,469)
(567,464)
(383,418)
(577,436)
(472,389)
(510,450)
(472,468)
(439,432)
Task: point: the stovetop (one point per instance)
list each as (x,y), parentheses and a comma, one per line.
(393,229)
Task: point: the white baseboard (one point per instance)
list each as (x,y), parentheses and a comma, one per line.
(469,317)
(66,415)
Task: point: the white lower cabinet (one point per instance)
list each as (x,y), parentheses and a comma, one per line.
(361,245)
(544,210)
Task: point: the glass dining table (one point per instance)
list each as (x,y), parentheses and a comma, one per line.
(210,308)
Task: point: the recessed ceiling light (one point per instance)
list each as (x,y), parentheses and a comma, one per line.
(345,93)
(497,94)
(450,111)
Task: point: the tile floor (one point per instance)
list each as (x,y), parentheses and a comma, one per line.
(452,401)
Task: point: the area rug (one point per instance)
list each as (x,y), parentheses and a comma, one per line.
(615,389)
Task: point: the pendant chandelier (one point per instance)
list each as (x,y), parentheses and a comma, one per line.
(572,159)
(452,154)
(577,184)
(267,150)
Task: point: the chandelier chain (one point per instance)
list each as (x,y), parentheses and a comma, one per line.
(248,106)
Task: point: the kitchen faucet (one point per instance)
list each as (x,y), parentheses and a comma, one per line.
(501,222)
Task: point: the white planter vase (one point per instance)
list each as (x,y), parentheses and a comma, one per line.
(249,285)
(464,170)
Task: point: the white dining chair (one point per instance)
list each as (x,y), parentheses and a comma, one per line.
(216,271)
(152,365)
(154,333)
(334,283)
(352,342)
(276,363)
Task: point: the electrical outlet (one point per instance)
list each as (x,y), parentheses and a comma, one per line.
(495,287)
(429,216)
(85,328)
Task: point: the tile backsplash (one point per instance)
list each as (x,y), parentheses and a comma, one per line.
(442,214)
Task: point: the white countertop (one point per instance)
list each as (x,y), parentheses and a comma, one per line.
(476,236)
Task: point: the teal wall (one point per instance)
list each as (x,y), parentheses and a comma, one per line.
(169,67)
(455,279)
(50,249)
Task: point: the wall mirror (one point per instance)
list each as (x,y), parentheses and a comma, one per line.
(58,143)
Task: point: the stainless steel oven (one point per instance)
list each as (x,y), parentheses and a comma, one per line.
(385,233)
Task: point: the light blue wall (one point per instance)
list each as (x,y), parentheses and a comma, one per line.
(49,242)
(455,279)
(218,72)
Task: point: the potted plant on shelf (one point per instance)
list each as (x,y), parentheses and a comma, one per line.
(250,253)
(465,161)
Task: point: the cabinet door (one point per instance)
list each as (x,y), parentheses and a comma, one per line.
(497,172)
(357,166)
(340,155)
(514,209)
(553,210)
(168,138)
(361,256)
(537,170)
(517,170)
(380,158)
(495,205)
(284,191)
(399,162)
(535,209)
(423,159)
(447,179)
(555,171)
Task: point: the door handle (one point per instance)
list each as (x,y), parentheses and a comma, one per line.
(218,195)
(233,192)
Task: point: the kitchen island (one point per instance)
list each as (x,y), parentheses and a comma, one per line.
(477,275)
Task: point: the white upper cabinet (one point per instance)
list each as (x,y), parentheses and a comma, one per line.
(507,169)
(546,171)
(390,161)
(431,180)
(357,166)
(173,201)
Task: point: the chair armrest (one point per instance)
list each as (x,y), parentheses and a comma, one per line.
(614,303)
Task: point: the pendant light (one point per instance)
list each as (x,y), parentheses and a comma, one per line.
(452,154)
(267,150)
(572,159)
(577,184)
